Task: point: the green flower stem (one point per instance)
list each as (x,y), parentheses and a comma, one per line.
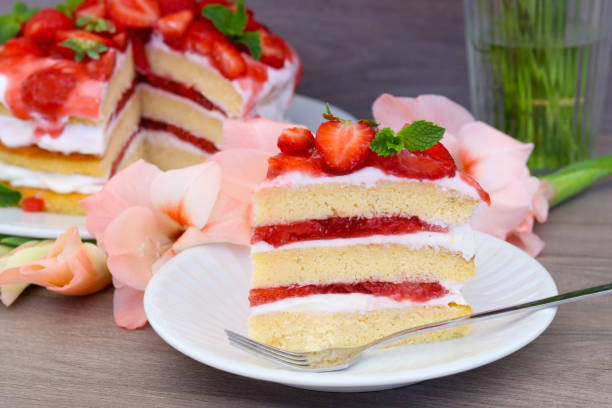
(576,177)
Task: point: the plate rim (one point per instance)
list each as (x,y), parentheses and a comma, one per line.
(343,379)
(33,231)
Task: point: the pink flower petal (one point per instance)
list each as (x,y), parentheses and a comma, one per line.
(131,186)
(541,201)
(133,242)
(128,308)
(259,134)
(187,195)
(528,242)
(242,171)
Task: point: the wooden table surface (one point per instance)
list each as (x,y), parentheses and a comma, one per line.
(67,352)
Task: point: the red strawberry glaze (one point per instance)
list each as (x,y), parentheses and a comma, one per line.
(340,227)
(49,90)
(33,204)
(181,134)
(484,196)
(408,290)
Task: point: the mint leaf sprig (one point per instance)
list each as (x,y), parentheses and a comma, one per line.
(84,48)
(10,24)
(98,25)
(418,136)
(8,196)
(69,7)
(232,25)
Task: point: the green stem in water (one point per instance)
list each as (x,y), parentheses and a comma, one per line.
(576,177)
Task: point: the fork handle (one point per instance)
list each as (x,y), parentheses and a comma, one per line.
(495,313)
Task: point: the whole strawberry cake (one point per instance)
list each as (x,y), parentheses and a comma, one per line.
(360,232)
(90,86)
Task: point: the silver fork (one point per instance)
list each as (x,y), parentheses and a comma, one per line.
(339,358)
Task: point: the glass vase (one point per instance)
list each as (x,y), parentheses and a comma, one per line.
(538,71)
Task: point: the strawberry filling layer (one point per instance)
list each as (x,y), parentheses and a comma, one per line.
(414,291)
(179,89)
(340,227)
(180,133)
(127,94)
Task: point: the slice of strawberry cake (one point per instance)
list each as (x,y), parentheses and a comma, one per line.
(92,85)
(360,233)
(204,62)
(68,106)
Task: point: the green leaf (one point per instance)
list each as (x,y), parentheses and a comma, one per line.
(8,196)
(421,135)
(220,16)
(99,25)
(252,41)
(238,21)
(22,13)
(387,143)
(83,48)
(69,7)
(15,241)
(9,28)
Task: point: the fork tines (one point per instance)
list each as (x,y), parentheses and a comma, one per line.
(268,352)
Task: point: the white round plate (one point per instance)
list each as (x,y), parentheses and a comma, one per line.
(14,221)
(204,290)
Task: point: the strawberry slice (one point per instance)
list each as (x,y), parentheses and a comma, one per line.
(344,146)
(43,25)
(174,26)
(47,90)
(21,46)
(274,49)
(102,68)
(64,52)
(252,24)
(295,140)
(33,204)
(168,7)
(228,59)
(91,8)
(138,39)
(433,163)
(120,41)
(133,13)
(201,37)
(285,163)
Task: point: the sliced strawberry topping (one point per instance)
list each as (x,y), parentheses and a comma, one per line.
(120,41)
(433,163)
(133,13)
(138,39)
(168,7)
(252,24)
(201,36)
(295,140)
(43,25)
(102,68)
(21,46)
(284,163)
(33,204)
(274,49)
(257,71)
(65,52)
(344,146)
(91,8)
(174,26)
(47,90)
(228,59)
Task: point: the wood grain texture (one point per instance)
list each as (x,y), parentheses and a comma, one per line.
(67,352)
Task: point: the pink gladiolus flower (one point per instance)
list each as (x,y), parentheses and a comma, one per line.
(144,216)
(494,159)
(71,267)
(259,133)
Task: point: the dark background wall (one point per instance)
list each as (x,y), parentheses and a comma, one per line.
(354,50)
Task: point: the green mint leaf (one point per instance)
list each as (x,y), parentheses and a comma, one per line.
(22,13)
(220,16)
(238,21)
(387,143)
(8,196)
(83,48)
(252,41)
(9,28)
(421,135)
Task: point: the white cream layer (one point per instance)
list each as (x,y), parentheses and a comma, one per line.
(459,239)
(75,138)
(161,139)
(271,101)
(349,302)
(59,183)
(368,177)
